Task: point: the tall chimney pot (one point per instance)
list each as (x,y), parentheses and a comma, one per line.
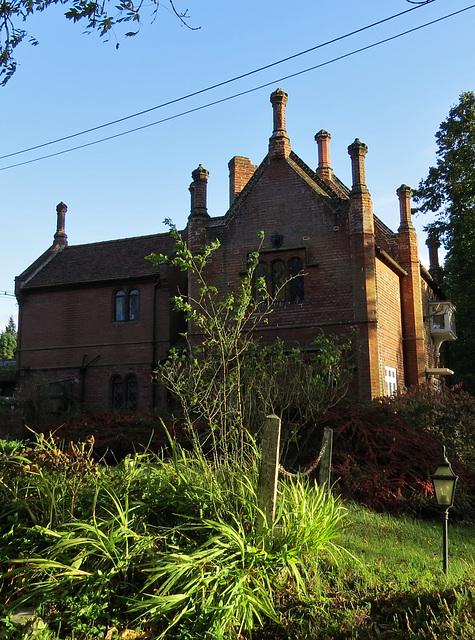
(279,143)
(324,169)
(60,237)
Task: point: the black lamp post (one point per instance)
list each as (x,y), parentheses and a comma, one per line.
(444,481)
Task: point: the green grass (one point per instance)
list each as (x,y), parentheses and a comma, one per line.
(392,585)
(408,547)
(170,546)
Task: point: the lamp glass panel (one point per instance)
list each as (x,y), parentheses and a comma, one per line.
(444,489)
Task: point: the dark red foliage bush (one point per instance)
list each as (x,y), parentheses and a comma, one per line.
(114,434)
(385,451)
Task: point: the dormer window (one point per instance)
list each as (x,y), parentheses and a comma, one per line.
(442,322)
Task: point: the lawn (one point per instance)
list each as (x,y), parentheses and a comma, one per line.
(166,548)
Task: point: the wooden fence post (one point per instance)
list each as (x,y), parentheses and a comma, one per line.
(269,473)
(324,475)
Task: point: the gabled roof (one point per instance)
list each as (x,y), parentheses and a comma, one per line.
(97,262)
(334,193)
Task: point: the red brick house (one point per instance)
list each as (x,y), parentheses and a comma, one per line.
(94,320)
(97,317)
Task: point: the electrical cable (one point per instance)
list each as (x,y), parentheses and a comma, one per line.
(242,93)
(215,86)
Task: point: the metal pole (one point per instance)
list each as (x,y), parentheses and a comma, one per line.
(445,541)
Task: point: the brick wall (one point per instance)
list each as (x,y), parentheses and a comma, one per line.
(72,333)
(389,320)
(281,203)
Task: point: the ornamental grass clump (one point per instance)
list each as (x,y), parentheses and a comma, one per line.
(168,545)
(227,579)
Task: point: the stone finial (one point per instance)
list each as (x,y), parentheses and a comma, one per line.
(279,144)
(200,173)
(357,151)
(324,169)
(60,237)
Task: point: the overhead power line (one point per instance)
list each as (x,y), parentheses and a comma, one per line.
(214,86)
(241,93)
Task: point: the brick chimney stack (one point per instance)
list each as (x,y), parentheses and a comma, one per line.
(279,143)
(435,269)
(198,218)
(411,293)
(60,237)
(196,234)
(404,194)
(198,190)
(324,169)
(241,170)
(361,212)
(357,151)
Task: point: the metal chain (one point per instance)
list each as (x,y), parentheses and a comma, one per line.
(310,469)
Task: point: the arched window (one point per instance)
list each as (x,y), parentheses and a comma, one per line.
(296,288)
(260,282)
(134,305)
(117,392)
(131,391)
(119,314)
(126,306)
(124,392)
(278,281)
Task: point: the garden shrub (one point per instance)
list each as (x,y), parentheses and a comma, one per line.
(166,544)
(385,450)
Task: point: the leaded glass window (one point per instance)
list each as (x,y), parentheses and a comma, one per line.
(126,306)
(278,281)
(133,305)
(119,315)
(260,282)
(117,390)
(296,287)
(131,391)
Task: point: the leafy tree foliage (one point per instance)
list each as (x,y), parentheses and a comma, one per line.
(224,380)
(101,17)
(8,341)
(449,192)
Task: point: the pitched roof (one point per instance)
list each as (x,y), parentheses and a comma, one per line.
(97,262)
(334,193)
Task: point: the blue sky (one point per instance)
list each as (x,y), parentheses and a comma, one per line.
(393,97)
